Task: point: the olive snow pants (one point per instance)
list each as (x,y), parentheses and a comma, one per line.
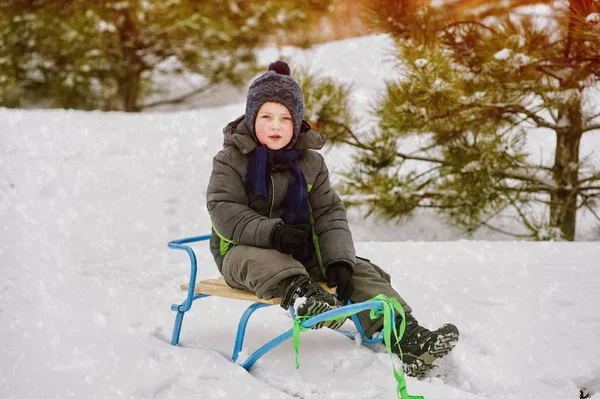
(260,270)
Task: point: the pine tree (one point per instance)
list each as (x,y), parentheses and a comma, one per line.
(475,83)
(89,55)
(326,105)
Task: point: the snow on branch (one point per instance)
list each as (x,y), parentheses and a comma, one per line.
(540,183)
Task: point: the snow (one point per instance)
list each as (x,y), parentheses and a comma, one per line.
(299,302)
(503,54)
(89,200)
(421,62)
(593,18)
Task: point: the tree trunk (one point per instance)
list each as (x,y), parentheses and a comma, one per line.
(563,208)
(129,89)
(130,82)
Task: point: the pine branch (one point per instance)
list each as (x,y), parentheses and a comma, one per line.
(519,109)
(526,221)
(543,186)
(434,196)
(499,230)
(429,147)
(510,108)
(562,61)
(357,142)
(531,189)
(589,128)
(590,179)
(517,121)
(589,188)
(552,73)
(541,201)
(177,100)
(554,114)
(591,118)
(419,158)
(489,217)
(587,205)
(592,211)
(423,174)
(502,7)
(471,22)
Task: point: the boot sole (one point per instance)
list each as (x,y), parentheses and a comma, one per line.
(318,308)
(424,362)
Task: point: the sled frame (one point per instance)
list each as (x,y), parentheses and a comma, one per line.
(212,287)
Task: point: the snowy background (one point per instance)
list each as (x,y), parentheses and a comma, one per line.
(89,200)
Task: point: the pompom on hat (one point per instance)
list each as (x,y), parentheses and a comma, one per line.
(275,85)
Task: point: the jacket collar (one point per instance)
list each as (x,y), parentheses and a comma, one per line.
(236,133)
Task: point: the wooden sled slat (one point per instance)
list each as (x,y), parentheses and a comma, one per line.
(218,287)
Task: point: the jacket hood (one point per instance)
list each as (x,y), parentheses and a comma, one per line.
(237,133)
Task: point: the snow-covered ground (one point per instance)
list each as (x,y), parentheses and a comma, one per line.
(88,201)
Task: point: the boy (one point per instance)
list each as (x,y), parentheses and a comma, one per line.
(279,228)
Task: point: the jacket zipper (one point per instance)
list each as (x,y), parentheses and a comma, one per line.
(272,198)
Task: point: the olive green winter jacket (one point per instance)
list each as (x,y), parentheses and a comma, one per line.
(239,218)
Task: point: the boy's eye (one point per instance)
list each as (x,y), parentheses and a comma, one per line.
(287,118)
(266,116)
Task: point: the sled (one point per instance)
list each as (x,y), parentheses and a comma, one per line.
(217,287)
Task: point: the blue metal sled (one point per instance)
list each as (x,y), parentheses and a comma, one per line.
(241,331)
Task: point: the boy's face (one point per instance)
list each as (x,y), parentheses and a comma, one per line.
(274,126)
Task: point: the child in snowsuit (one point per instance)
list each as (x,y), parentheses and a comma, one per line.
(278,227)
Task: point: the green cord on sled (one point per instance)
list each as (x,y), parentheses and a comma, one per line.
(389,304)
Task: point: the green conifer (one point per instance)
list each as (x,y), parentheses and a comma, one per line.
(107,54)
(475,84)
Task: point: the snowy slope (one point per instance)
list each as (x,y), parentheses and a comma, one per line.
(88,202)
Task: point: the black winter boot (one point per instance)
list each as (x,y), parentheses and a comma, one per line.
(310,299)
(421,347)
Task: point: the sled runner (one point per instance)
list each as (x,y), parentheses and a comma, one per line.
(379,306)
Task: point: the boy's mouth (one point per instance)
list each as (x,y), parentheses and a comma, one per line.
(275,137)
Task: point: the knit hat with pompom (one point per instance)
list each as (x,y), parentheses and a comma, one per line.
(275,85)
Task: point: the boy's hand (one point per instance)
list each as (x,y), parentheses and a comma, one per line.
(340,274)
(291,239)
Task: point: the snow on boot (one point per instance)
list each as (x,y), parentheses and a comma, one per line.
(421,347)
(310,299)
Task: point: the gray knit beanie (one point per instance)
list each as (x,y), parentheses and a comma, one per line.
(275,85)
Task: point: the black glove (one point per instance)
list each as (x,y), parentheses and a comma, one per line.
(291,239)
(340,274)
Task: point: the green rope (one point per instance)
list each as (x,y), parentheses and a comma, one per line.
(389,305)
(296,330)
